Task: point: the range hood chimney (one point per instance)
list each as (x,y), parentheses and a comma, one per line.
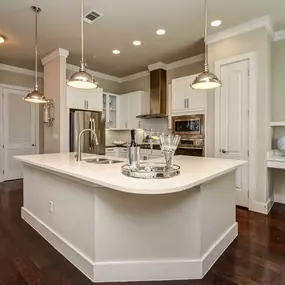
(157,95)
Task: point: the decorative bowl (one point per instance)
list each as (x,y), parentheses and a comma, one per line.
(118,143)
(281,144)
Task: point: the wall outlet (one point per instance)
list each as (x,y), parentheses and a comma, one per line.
(50,207)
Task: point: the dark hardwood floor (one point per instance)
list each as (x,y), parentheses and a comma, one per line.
(257,256)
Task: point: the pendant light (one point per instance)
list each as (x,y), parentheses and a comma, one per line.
(206,80)
(35,96)
(82,79)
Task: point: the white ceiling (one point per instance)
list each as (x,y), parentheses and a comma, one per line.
(123,22)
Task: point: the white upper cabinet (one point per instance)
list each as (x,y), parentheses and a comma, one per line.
(130,106)
(91,100)
(123,111)
(185,100)
(110,110)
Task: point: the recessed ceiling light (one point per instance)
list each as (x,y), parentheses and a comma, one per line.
(137,43)
(116,51)
(161,32)
(2,39)
(216,23)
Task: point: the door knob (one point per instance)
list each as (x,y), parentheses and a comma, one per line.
(223,151)
(33,144)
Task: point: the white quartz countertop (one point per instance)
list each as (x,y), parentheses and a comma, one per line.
(194,171)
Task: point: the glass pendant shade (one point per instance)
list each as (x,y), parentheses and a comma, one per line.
(35,97)
(206,80)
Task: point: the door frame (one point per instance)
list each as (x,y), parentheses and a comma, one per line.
(252,119)
(37,123)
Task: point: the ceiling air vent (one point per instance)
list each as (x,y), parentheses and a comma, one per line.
(92,16)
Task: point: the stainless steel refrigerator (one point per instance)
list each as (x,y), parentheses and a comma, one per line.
(79,120)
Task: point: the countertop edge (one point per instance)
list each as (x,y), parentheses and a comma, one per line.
(130,190)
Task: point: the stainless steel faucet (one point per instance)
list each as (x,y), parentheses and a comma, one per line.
(78,155)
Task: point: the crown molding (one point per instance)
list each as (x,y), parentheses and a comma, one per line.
(186,61)
(95,74)
(54,54)
(158,65)
(280,35)
(134,76)
(19,70)
(263,22)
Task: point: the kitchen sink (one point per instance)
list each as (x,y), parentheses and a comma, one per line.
(102,161)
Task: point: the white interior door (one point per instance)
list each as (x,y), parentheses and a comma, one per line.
(19,128)
(233,122)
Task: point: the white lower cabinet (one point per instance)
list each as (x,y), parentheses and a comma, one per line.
(111,151)
(146,154)
(116,152)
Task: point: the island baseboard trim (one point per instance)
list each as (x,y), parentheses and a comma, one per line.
(217,249)
(77,258)
(133,270)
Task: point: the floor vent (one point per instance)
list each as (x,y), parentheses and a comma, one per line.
(92,16)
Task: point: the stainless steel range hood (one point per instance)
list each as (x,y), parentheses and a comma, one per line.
(157,95)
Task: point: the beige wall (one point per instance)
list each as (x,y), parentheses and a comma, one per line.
(22,80)
(277,109)
(106,85)
(143,83)
(256,41)
(278,78)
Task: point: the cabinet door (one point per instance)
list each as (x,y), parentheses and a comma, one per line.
(95,100)
(84,99)
(138,105)
(185,99)
(196,101)
(123,109)
(179,94)
(76,98)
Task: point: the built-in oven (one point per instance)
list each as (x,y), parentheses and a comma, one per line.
(191,130)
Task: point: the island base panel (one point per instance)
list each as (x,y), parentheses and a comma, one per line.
(114,236)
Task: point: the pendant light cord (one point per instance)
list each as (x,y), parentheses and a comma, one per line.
(206,65)
(36,46)
(82,67)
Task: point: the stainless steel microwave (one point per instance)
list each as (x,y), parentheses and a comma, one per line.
(188,125)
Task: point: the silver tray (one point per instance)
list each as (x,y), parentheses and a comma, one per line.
(151,170)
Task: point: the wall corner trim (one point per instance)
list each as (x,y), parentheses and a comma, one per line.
(263,22)
(186,61)
(54,54)
(19,70)
(158,65)
(95,74)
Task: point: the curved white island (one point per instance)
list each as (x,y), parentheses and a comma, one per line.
(117,228)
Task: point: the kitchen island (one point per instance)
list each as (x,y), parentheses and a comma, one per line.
(117,228)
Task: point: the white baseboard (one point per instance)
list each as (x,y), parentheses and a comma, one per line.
(217,249)
(279,198)
(263,208)
(149,270)
(270,204)
(78,259)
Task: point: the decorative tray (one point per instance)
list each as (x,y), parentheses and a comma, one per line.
(151,170)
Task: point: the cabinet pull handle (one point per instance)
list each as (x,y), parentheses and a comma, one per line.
(87,104)
(187,103)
